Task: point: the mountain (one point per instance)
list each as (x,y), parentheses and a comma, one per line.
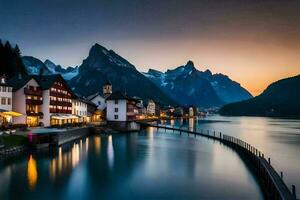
(280,99)
(193,87)
(67,73)
(103,64)
(10,60)
(35,66)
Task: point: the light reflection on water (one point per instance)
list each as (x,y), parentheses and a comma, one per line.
(32,173)
(147,164)
(110,152)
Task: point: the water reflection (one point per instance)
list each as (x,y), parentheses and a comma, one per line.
(172,122)
(191,124)
(32,173)
(97,142)
(110,152)
(151,164)
(67,158)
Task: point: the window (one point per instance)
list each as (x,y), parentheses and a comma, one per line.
(8,101)
(116,109)
(3,100)
(116,117)
(3,89)
(116,101)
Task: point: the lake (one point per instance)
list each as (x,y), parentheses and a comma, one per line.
(155,164)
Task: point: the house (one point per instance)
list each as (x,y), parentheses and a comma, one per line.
(151,107)
(142,110)
(120,108)
(94,115)
(44,100)
(80,109)
(6,112)
(191,111)
(99,99)
(27,98)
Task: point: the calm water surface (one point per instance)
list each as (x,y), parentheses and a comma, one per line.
(146,165)
(278,139)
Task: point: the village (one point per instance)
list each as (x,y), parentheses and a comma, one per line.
(39,104)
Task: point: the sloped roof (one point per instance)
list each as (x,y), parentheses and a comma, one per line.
(107,82)
(17,82)
(45,81)
(92,96)
(118,96)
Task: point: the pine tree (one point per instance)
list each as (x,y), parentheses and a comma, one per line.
(10,60)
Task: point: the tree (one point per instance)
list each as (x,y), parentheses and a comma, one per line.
(10,60)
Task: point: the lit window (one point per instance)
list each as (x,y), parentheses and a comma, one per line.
(3,100)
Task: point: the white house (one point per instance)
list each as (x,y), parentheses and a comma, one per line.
(151,107)
(191,111)
(27,99)
(120,108)
(99,99)
(43,100)
(80,108)
(5,101)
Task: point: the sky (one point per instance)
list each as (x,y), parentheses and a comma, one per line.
(254,42)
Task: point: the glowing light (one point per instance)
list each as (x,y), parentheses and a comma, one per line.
(32,173)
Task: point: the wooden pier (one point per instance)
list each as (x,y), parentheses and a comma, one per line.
(272,183)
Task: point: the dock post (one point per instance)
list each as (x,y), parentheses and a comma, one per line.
(207,132)
(281,175)
(220,135)
(294,191)
(269,160)
(263,155)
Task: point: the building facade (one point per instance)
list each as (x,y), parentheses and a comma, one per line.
(5,101)
(43,100)
(80,109)
(99,99)
(151,107)
(121,108)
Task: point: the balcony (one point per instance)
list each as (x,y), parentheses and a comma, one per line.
(58,94)
(52,110)
(37,92)
(60,103)
(34,102)
(33,113)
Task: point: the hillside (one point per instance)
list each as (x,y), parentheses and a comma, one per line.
(280,99)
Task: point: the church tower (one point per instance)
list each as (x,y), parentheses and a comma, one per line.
(107,88)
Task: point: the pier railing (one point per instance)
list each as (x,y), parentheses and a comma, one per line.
(272,183)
